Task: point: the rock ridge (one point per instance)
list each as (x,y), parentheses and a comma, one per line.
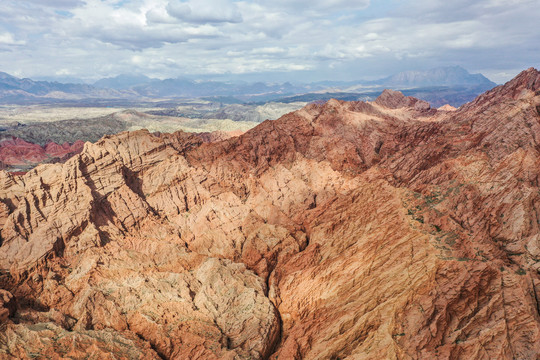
(342,230)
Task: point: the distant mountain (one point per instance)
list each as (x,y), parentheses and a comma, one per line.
(189,88)
(11,83)
(122,82)
(453,85)
(17,91)
(439,86)
(441,76)
(182,87)
(63,79)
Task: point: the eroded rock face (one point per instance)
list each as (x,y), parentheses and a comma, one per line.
(344,230)
(47,340)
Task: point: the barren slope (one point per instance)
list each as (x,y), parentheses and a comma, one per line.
(344,230)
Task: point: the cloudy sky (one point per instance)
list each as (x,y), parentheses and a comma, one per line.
(299,40)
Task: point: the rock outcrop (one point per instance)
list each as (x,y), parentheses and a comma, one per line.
(342,230)
(447,107)
(395,100)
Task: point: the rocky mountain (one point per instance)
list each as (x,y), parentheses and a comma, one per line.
(342,230)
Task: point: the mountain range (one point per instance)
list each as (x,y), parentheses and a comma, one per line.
(343,230)
(454,83)
(445,76)
(15,90)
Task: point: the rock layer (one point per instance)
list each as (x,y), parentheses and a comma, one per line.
(342,230)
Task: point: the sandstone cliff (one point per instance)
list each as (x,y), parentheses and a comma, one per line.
(343,230)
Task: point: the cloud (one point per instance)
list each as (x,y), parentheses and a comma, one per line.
(63,4)
(137,28)
(315,39)
(310,5)
(205,11)
(8,39)
(159,15)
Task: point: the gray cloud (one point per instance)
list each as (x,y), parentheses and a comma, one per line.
(134,38)
(205,11)
(315,5)
(308,40)
(60,4)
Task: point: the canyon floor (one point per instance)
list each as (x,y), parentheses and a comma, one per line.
(344,230)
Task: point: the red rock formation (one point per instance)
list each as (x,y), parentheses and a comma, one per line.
(15,151)
(55,150)
(395,100)
(344,230)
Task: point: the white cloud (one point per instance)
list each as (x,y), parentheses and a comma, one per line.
(8,39)
(63,72)
(269,51)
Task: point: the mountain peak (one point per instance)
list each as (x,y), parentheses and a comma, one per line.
(393,99)
(6,76)
(529,79)
(521,86)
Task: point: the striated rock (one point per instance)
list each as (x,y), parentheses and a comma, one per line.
(342,230)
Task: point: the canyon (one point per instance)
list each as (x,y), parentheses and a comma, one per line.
(344,230)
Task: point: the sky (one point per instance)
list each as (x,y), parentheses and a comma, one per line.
(279,40)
